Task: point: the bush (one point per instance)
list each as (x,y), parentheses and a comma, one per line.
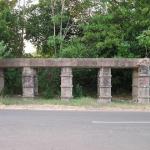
(3,52)
(78,92)
(49,82)
(13,82)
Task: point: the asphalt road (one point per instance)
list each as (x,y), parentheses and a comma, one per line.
(60,130)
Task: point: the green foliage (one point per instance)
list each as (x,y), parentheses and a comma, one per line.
(13,82)
(86,80)
(123,51)
(43,26)
(3,52)
(54,43)
(57,19)
(144,41)
(74,49)
(51,24)
(78,92)
(49,82)
(101,38)
(121,81)
(113,32)
(10,28)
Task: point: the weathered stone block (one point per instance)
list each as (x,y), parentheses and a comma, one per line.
(29,82)
(66,83)
(135,85)
(1,80)
(144,84)
(36,84)
(28,92)
(104,85)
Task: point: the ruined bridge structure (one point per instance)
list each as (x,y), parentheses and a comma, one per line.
(140,77)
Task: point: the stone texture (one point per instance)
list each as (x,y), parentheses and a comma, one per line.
(29,82)
(141,75)
(135,85)
(72,62)
(35,83)
(1,80)
(143,84)
(66,83)
(104,85)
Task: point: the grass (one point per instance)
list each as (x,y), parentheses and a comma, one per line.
(41,101)
(85,102)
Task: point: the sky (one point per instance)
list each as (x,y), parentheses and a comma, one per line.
(29,47)
(25,1)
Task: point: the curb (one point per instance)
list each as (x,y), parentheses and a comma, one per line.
(67,108)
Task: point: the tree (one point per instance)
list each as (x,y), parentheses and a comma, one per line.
(10,28)
(3,52)
(132,16)
(51,23)
(144,41)
(112,30)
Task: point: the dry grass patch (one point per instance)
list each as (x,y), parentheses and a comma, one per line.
(85,102)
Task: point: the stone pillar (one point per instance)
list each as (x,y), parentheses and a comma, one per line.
(144,84)
(66,83)
(29,82)
(1,81)
(35,82)
(135,85)
(104,85)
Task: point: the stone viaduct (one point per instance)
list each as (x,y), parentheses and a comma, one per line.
(140,77)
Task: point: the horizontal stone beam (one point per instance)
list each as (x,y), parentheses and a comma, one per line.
(72,62)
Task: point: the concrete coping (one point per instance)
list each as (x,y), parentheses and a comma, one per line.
(74,62)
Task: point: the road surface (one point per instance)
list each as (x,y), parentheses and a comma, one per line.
(70,130)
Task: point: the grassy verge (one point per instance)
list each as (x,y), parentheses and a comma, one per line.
(79,102)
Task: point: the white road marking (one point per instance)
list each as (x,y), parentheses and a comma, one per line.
(121,122)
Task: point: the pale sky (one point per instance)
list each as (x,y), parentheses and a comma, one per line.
(29,47)
(25,1)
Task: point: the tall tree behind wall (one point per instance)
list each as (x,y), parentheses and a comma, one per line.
(10,28)
(112,30)
(53,22)
(11,44)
